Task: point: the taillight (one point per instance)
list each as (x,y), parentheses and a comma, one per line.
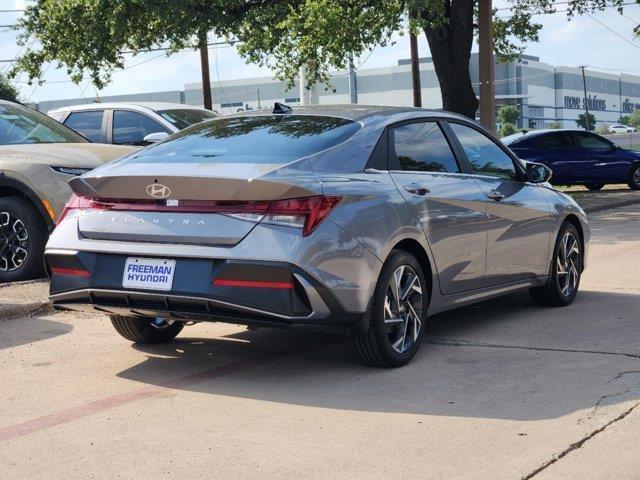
(77,203)
(305,213)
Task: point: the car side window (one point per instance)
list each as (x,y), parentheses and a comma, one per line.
(88,124)
(422,147)
(130,128)
(589,141)
(555,140)
(485,157)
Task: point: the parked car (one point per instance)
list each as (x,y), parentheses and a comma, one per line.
(37,157)
(578,157)
(127,123)
(622,129)
(361,220)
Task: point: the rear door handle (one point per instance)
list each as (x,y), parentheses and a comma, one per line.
(416,188)
(495,196)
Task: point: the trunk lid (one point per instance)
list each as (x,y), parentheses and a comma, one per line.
(213,189)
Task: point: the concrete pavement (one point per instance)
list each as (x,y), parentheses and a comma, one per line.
(505,389)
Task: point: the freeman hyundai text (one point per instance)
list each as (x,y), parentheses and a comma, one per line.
(356,219)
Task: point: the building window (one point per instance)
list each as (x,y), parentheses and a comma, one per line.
(536,112)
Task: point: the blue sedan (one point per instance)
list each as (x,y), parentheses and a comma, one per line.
(578,157)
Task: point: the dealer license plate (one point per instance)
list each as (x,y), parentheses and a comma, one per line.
(148,273)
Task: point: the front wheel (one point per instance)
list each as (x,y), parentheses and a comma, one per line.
(398,315)
(566,269)
(634,178)
(23,235)
(595,186)
(146,330)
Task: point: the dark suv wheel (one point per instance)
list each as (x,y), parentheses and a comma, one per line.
(398,315)
(23,236)
(566,270)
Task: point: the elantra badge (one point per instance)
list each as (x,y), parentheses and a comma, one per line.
(157,190)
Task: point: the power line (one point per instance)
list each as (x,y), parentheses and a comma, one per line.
(612,30)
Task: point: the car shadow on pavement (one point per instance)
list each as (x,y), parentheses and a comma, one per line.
(25,330)
(507,358)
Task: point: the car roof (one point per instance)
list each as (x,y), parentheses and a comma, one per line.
(354,112)
(533,133)
(130,105)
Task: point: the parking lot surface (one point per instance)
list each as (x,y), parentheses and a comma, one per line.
(502,390)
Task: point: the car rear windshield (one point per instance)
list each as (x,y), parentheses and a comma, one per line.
(183,118)
(260,139)
(22,125)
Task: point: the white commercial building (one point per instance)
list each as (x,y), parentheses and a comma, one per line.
(544,94)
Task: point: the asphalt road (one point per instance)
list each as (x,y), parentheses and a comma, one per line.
(503,390)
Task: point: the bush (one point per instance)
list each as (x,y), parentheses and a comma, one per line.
(507,129)
(555,125)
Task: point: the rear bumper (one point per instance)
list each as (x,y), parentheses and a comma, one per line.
(194,296)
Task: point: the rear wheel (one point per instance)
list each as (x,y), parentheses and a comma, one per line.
(398,315)
(562,286)
(634,178)
(595,186)
(23,236)
(146,330)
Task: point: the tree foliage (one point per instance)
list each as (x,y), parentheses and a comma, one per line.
(7,90)
(634,119)
(507,129)
(88,37)
(508,114)
(582,121)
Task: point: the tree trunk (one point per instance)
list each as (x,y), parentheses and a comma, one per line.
(450,47)
(204,66)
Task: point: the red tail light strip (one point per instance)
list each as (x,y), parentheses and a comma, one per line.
(252,284)
(306,211)
(75,272)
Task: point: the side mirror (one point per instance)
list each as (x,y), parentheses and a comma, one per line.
(155,137)
(538,173)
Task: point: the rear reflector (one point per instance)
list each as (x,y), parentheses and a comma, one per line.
(251,284)
(74,272)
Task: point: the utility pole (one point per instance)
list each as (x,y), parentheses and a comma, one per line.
(259,105)
(586,100)
(487,87)
(353,83)
(204,66)
(415,70)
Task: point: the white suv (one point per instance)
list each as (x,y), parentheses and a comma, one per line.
(126,123)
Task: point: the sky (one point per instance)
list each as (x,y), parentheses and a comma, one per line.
(583,40)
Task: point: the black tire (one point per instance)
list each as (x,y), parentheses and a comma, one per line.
(551,294)
(634,177)
(375,347)
(595,186)
(141,330)
(15,264)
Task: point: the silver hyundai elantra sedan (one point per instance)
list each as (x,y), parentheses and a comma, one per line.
(363,220)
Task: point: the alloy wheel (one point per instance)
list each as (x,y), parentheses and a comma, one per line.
(636,176)
(14,241)
(568,264)
(403,308)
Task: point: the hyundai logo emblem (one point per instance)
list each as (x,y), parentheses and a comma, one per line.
(157,190)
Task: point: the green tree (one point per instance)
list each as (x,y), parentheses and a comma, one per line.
(581,122)
(508,114)
(507,129)
(87,37)
(634,119)
(555,125)
(7,90)
(624,120)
